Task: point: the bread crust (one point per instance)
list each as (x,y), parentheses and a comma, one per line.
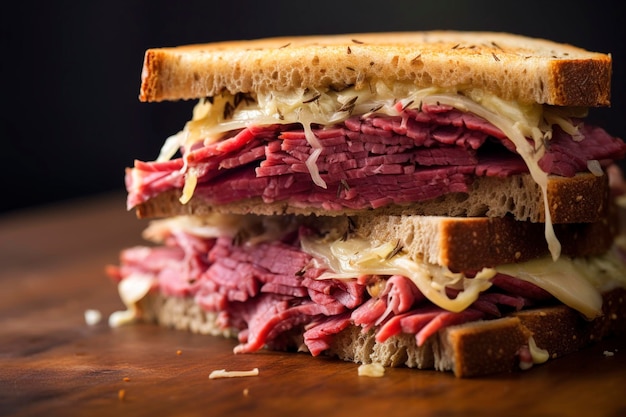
(513,67)
(579,199)
(468,350)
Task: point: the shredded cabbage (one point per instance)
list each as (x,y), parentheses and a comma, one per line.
(253,229)
(593,165)
(354,257)
(191,181)
(578,283)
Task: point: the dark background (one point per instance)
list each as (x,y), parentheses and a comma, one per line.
(70,71)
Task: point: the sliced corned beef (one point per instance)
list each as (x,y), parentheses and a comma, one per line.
(268,289)
(418,151)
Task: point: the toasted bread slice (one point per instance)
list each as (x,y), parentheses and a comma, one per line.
(461,244)
(468,350)
(467,244)
(512,67)
(578,199)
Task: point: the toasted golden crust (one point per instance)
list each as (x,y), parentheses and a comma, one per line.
(468,350)
(494,346)
(485,347)
(582,198)
(513,67)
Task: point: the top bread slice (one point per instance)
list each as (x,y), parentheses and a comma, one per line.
(513,67)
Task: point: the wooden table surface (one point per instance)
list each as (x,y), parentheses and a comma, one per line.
(52,363)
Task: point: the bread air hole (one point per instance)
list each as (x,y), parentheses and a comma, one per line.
(409,236)
(510,204)
(296,77)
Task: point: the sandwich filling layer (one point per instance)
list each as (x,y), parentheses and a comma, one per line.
(366,149)
(266,278)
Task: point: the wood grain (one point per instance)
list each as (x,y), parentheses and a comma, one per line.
(52,363)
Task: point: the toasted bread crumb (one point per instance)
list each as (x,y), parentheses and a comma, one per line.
(179,352)
(121,394)
(126,379)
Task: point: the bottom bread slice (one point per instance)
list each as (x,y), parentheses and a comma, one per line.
(468,350)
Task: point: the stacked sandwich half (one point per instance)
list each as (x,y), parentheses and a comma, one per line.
(433,200)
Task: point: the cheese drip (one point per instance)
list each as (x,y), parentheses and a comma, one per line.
(213,118)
